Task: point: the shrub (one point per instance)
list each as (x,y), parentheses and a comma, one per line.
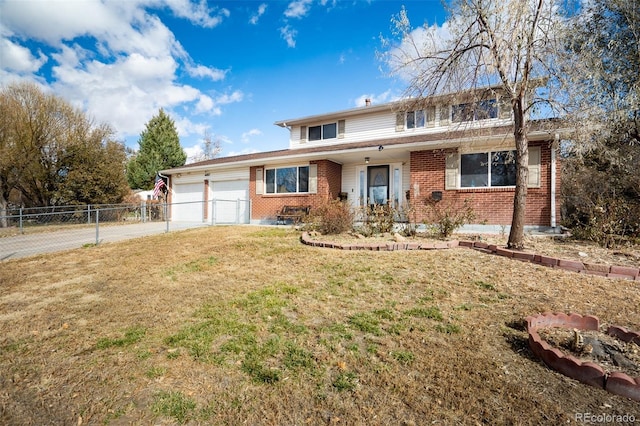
(378,219)
(330,217)
(446,217)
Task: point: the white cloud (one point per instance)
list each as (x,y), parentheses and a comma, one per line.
(18,58)
(205,103)
(261,10)
(298,9)
(236,96)
(201,71)
(248,135)
(289,35)
(127,66)
(198,13)
(384,97)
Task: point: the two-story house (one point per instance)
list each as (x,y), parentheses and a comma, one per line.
(448,149)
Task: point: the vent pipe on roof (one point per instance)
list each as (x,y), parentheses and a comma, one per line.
(367,102)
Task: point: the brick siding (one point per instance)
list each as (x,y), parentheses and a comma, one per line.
(267,206)
(493,206)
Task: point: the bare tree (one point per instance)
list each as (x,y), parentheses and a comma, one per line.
(52,153)
(509,44)
(210,148)
(601,67)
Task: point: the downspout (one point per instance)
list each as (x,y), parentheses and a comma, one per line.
(554,147)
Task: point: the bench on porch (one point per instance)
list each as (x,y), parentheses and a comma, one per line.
(294,213)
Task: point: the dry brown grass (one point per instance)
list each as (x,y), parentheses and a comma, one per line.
(245,325)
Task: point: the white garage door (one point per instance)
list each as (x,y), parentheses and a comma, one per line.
(230,201)
(187,202)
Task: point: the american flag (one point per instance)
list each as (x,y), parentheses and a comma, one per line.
(157,189)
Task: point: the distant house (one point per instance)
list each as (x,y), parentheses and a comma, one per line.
(450,149)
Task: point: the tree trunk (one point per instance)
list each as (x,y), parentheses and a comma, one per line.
(4,223)
(516,235)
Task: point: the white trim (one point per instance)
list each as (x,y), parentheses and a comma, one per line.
(553,180)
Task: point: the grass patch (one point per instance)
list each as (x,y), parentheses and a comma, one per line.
(131,335)
(485,286)
(403,357)
(448,328)
(366,322)
(432,312)
(346,381)
(155,372)
(175,405)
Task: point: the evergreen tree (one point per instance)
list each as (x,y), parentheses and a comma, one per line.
(159,149)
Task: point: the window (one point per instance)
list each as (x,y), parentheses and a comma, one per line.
(325,131)
(488,169)
(287,180)
(416,119)
(481,110)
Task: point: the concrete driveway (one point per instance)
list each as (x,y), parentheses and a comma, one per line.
(30,244)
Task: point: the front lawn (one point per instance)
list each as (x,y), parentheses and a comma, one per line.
(246,325)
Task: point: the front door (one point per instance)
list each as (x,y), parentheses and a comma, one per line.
(378,184)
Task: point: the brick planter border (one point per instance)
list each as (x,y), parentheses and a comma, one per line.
(586,372)
(609,271)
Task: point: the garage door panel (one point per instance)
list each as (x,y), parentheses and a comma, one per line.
(230,201)
(187,202)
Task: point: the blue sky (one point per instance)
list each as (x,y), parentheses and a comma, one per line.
(229,68)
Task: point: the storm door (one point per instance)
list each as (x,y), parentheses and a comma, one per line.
(378,184)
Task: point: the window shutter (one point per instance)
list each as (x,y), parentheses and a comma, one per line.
(451,171)
(444,115)
(303,134)
(259,182)
(534,167)
(431,116)
(313,178)
(341,124)
(400,122)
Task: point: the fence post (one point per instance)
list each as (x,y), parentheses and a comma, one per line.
(166,215)
(213,211)
(88,214)
(97,226)
(21,225)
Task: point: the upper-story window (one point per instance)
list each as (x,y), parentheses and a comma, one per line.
(474,111)
(416,119)
(324,131)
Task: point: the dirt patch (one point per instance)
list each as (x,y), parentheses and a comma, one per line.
(611,353)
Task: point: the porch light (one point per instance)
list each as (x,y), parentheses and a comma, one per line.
(366,160)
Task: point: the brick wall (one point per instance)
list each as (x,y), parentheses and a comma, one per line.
(494,206)
(267,206)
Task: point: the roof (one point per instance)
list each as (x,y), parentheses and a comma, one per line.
(336,152)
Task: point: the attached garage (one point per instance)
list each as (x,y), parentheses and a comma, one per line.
(188,202)
(230,201)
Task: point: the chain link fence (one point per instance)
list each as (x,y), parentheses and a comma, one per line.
(30,231)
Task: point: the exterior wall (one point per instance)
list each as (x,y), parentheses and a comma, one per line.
(267,206)
(493,206)
(374,125)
